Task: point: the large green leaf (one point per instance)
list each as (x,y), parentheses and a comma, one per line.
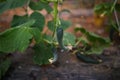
(36,34)
(40,5)
(11,4)
(4,66)
(42,54)
(64,24)
(40,20)
(69,39)
(28,23)
(16,39)
(92,37)
(18,20)
(97,49)
(96,42)
(38,17)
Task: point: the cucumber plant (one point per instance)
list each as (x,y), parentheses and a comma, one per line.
(109,9)
(92,43)
(26,28)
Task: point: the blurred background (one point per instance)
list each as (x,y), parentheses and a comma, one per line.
(81,15)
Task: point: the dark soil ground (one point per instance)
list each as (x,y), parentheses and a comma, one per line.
(67,68)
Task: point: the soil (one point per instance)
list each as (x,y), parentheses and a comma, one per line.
(68,67)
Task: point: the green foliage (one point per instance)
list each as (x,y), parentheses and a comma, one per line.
(47,38)
(11,4)
(18,20)
(105,8)
(36,34)
(40,20)
(16,38)
(25,28)
(69,39)
(110,9)
(64,24)
(42,54)
(38,17)
(4,66)
(40,5)
(96,42)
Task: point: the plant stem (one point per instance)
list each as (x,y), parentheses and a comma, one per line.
(115,13)
(55,12)
(27,8)
(116,18)
(113,6)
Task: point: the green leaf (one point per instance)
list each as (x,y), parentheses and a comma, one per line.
(50,25)
(97,42)
(40,20)
(4,66)
(97,49)
(106,8)
(16,38)
(103,8)
(95,38)
(64,24)
(36,5)
(11,4)
(92,37)
(48,8)
(47,38)
(81,30)
(4,7)
(83,40)
(36,34)
(18,20)
(29,23)
(40,5)
(68,39)
(42,54)
(2,0)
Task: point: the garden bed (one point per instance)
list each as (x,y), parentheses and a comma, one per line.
(68,67)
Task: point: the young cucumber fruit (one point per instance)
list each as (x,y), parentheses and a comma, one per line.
(55,56)
(59,34)
(86,59)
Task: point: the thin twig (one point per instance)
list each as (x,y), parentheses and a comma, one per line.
(117,20)
(112,8)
